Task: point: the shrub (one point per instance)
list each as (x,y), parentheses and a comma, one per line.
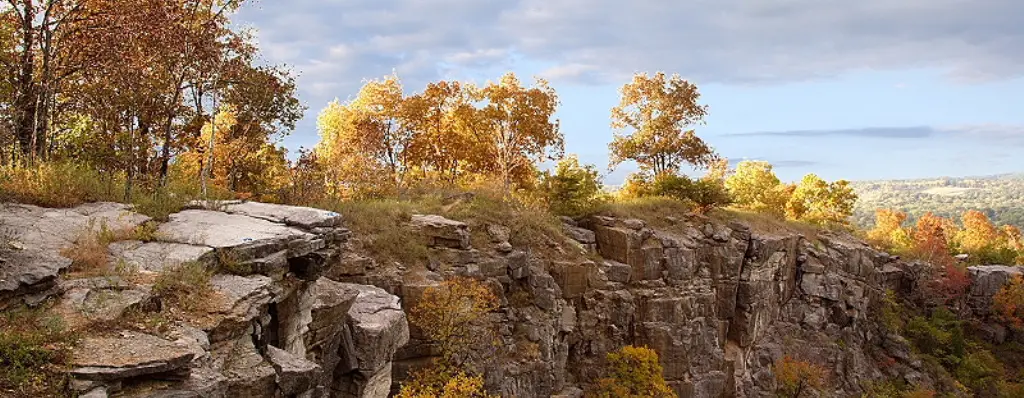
(706,195)
(35,351)
(633,372)
(795,379)
(433,382)
(572,190)
(185,287)
(456,315)
(754,186)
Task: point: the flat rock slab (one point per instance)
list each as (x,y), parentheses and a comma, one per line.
(303,217)
(157,256)
(128,355)
(35,236)
(443,232)
(221,230)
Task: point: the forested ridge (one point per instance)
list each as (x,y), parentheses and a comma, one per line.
(1000,197)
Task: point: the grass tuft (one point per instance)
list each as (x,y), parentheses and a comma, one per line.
(185,287)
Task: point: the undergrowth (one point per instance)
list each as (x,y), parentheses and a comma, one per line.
(65,184)
(35,353)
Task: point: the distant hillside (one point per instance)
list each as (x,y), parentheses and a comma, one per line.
(1001,197)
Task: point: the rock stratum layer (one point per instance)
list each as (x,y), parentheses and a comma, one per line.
(317,316)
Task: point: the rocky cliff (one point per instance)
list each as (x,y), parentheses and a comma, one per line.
(319,315)
(280,330)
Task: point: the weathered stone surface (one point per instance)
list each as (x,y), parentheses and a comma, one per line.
(379,327)
(128,355)
(986,281)
(158,256)
(442,231)
(303,217)
(33,238)
(295,375)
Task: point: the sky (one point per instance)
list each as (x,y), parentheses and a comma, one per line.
(867,89)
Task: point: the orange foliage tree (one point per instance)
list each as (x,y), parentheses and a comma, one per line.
(930,240)
(795,379)
(1009,302)
(889,231)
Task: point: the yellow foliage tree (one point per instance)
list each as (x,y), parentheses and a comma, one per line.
(795,379)
(978,234)
(659,110)
(460,385)
(754,186)
(515,128)
(633,372)
(243,159)
(821,202)
(457,316)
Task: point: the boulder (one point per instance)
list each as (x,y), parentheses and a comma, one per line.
(442,232)
(295,375)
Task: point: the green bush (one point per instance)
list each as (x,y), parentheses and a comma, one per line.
(706,195)
(571,190)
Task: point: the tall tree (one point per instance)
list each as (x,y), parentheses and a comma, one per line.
(515,127)
(660,110)
(441,115)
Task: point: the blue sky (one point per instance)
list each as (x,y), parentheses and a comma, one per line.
(857,90)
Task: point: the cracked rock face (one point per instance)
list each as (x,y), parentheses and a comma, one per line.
(279,330)
(35,236)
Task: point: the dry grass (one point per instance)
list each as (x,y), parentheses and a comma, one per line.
(652,209)
(381,226)
(58,185)
(768,224)
(90,254)
(185,287)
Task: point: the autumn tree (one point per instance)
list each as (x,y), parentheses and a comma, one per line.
(633,372)
(427,383)
(515,128)
(1008,303)
(795,378)
(443,117)
(930,240)
(659,111)
(889,231)
(456,315)
(818,201)
(978,234)
(244,161)
(754,186)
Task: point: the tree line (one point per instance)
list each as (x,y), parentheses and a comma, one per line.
(135,88)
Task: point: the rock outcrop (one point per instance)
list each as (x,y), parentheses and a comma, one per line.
(719,302)
(300,311)
(274,328)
